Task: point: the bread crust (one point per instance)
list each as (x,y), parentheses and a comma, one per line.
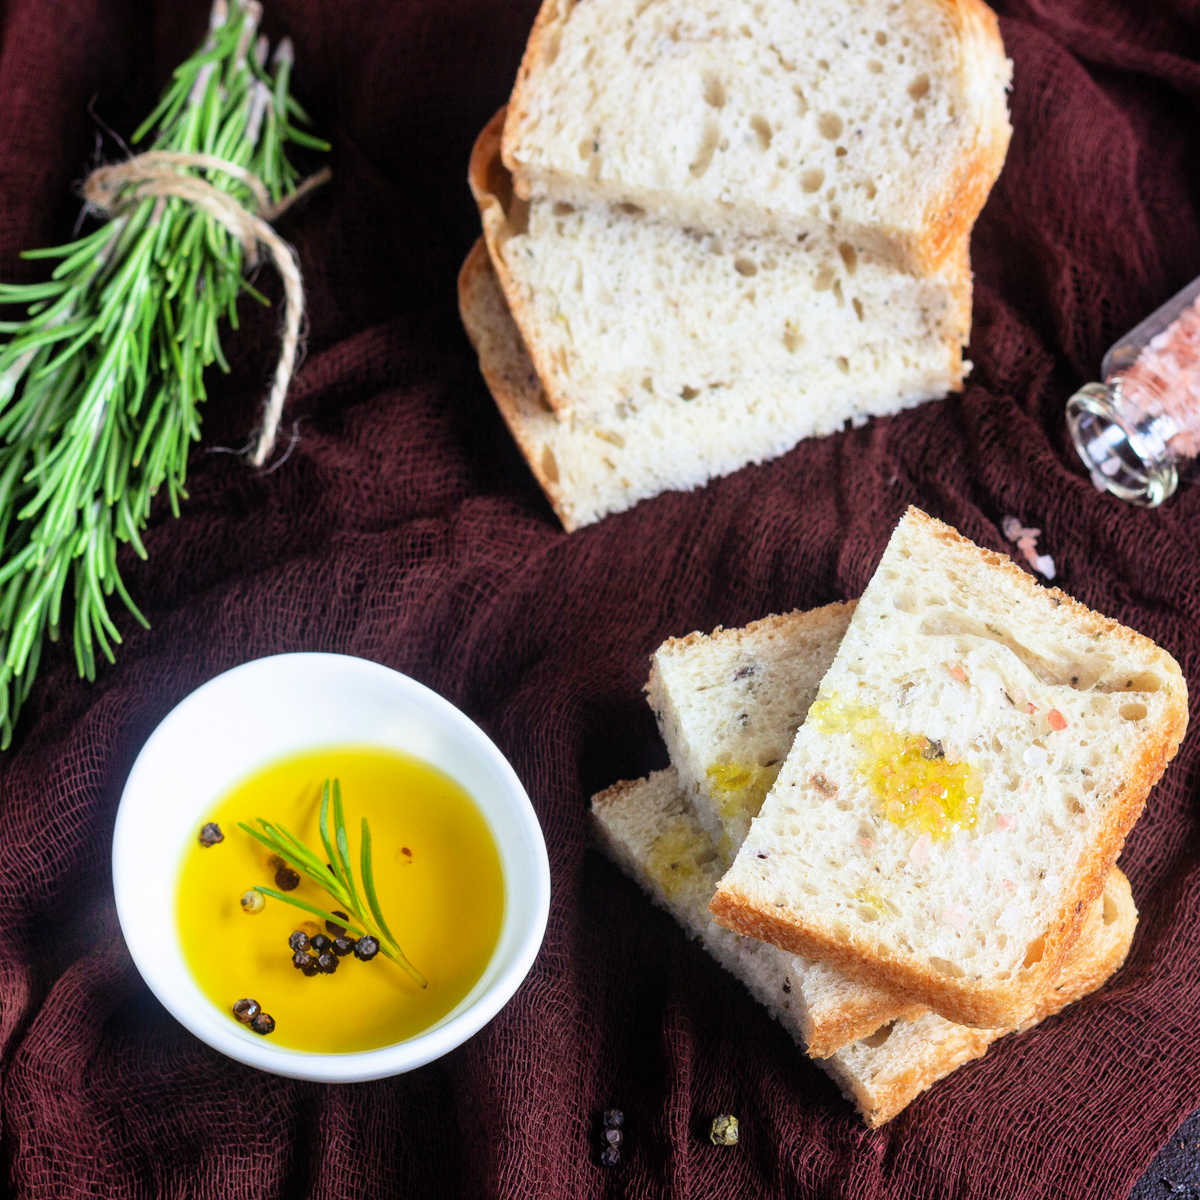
(492,186)
(950,216)
(507,371)
(1000,1003)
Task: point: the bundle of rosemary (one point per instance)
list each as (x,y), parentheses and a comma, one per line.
(102,379)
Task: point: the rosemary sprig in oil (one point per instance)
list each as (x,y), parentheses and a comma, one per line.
(335,875)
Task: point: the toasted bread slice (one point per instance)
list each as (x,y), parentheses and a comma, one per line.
(647,828)
(620,312)
(884,121)
(957,795)
(591,466)
(728,705)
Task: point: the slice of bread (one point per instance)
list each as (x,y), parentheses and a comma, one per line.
(728,705)
(647,828)
(958,793)
(884,119)
(589,467)
(620,311)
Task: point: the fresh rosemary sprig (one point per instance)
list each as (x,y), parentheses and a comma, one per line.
(101,380)
(334,874)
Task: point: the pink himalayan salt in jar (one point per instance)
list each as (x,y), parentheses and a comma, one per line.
(1134,430)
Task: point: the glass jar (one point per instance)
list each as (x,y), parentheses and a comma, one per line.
(1136,429)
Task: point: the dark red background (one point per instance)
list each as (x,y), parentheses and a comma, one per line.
(405,528)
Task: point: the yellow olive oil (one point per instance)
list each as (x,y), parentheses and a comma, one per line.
(437,875)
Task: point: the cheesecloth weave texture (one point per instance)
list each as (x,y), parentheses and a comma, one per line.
(404,527)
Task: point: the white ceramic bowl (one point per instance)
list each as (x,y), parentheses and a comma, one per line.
(266,710)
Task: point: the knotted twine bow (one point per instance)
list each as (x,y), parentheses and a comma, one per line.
(158,173)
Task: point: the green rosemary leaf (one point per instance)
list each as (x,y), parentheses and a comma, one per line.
(295,901)
(343,847)
(331,856)
(368,877)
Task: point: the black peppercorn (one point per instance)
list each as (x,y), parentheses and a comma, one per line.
(211,834)
(286,879)
(610,1156)
(246,1010)
(310,967)
(298,940)
(320,943)
(263,1023)
(299,958)
(611,1137)
(366,948)
(333,927)
(342,945)
(613,1118)
(327,962)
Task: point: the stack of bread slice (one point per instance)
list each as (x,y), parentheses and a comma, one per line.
(897,931)
(713,230)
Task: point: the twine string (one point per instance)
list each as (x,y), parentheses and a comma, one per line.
(157,173)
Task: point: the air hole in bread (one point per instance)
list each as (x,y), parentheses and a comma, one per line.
(874,66)
(823,280)
(856,304)
(904,602)
(881,38)
(801,101)
(1034,952)
(870,190)
(1134,711)
(919,88)
(549,465)
(843,364)
(613,439)
(830,125)
(866,913)
(793,339)
(631,210)
(840,152)
(714,91)
(1146,682)
(688,393)
(812,179)
(647,384)
(822,65)
(762,131)
(563,210)
(945,967)
(837,291)
(1111,910)
(849,257)
(745,266)
(881,1035)
(518,217)
(708,147)
(587,147)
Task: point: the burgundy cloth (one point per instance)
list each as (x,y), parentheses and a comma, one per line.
(404,527)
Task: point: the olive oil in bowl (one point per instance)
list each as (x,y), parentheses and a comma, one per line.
(437,875)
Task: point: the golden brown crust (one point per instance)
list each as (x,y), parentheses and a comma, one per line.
(506,369)
(502,215)
(856,1020)
(1097,956)
(517,104)
(950,215)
